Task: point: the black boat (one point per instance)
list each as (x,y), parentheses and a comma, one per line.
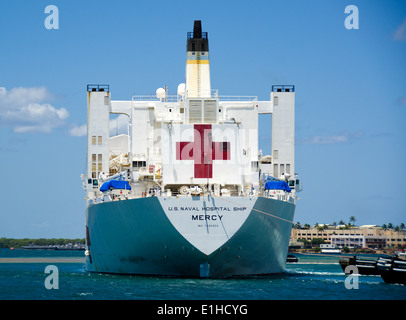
(364,266)
(392,270)
(291,258)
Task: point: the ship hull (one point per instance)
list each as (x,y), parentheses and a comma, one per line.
(240,236)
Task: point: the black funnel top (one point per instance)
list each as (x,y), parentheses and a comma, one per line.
(197,40)
(197,29)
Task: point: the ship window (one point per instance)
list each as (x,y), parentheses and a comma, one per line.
(288,168)
(139,164)
(99,157)
(99,138)
(282,168)
(275,170)
(93,174)
(94,157)
(275,154)
(275,101)
(99,167)
(93,167)
(93,139)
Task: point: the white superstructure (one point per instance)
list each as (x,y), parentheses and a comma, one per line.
(194,139)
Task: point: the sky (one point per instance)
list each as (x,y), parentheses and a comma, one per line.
(350,95)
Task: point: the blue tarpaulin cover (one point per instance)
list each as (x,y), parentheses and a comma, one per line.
(115,184)
(279,185)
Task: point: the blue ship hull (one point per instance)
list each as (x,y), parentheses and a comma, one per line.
(140,236)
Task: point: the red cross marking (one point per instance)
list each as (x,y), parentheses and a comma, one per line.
(203,151)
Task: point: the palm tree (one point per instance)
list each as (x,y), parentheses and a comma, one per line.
(390,226)
(323,229)
(352,219)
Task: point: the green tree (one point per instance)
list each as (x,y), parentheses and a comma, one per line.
(317,241)
(305,241)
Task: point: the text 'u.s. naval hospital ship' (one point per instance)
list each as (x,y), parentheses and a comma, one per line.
(187,192)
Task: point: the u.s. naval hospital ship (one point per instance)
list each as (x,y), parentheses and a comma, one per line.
(187,192)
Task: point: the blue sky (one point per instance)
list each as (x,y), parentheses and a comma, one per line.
(350,95)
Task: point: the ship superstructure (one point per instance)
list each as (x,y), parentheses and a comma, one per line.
(187,191)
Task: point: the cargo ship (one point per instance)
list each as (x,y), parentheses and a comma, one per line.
(187,192)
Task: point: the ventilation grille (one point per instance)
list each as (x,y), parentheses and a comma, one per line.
(195,111)
(209,114)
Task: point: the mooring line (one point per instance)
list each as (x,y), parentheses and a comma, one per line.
(268,214)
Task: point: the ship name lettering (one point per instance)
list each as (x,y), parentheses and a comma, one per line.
(239,208)
(207,217)
(189,209)
(205,209)
(216,209)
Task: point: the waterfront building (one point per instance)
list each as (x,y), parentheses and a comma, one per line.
(365,236)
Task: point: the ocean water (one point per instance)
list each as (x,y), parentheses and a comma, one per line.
(314,277)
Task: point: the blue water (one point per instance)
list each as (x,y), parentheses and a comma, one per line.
(314,277)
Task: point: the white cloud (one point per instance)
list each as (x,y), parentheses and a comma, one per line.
(78,131)
(26,110)
(118,125)
(333,139)
(400,33)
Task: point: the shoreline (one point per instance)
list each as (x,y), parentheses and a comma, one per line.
(42,260)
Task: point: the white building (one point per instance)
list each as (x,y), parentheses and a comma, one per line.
(358,241)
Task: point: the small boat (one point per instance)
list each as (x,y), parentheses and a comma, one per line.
(364,266)
(291,258)
(329,249)
(401,254)
(392,270)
